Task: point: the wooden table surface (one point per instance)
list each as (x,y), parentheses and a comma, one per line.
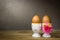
(25,35)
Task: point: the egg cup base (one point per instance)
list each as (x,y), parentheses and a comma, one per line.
(36,35)
(46,35)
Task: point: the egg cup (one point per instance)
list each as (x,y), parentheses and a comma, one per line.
(36,29)
(47,30)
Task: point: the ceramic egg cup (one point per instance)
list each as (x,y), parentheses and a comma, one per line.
(36,29)
(47,31)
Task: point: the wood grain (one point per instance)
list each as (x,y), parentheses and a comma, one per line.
(25,35)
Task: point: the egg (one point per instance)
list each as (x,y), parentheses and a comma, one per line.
(36,19)
(46,19)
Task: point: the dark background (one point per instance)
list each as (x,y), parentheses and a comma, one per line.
(17,14)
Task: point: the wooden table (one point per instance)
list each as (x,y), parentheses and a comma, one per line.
(25,35)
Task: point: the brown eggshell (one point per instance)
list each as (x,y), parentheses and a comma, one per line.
(36,19)
(46,19)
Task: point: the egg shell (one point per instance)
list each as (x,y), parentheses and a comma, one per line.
(46,19)
(36,19)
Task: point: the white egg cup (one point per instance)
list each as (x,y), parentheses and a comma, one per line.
(36,29)
(47,35)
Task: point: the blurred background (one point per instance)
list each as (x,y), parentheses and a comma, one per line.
(17,14)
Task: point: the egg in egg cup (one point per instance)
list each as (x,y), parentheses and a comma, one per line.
(47,27)
(36,26)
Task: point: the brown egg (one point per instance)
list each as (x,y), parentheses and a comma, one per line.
(46,19)
(36,19)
